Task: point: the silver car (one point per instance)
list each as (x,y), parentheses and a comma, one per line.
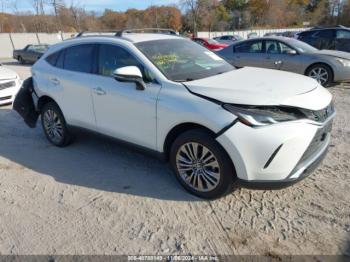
(228,39)
(281,53)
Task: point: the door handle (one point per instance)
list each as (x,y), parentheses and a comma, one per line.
(279,62)
(55,81)
(99,91)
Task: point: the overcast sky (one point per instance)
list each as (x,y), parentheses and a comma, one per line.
(99,5)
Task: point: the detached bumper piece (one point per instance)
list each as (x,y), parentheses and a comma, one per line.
(24,104)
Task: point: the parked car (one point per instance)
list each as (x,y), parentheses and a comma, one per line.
(216,125)
(228,39)
(9,85)
(252,35)
(291,34)
(210,44)
(273,34)
(30,53)
(331,38)
(288,54)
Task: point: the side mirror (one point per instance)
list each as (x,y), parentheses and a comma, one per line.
(130,74)
(292,52)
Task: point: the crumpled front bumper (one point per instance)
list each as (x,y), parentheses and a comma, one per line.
(276,155)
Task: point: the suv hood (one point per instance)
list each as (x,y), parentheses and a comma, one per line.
(262,87)
(333,53)
(6,74)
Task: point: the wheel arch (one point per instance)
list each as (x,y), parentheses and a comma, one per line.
(43,101)
(178,130)
(320,63)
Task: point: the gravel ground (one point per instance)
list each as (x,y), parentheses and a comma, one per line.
(98,197)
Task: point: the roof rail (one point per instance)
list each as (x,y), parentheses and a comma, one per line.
(328,26)
(119,33)
(147,30)
(109,32)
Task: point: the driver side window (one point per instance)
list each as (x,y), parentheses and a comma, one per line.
(112,57)
(285,49)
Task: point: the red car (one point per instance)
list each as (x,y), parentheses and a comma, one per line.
(211,44)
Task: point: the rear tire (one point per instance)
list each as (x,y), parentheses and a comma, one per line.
(54,125)
(321,73)
(201,165)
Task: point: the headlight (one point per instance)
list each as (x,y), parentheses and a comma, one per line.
(344,62)
(265,115)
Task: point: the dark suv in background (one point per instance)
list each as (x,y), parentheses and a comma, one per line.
(332,38)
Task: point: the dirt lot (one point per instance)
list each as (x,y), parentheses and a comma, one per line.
(97,197)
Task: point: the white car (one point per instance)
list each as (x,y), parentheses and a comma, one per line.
(9,85)
(217,125)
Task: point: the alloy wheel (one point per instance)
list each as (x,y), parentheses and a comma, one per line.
(53,126)
(198,167)
(320,74)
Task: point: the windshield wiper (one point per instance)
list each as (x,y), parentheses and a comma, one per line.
(186,80)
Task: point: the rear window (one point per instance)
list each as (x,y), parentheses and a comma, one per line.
(343,34)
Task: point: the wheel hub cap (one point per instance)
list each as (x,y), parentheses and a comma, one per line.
(53,126)
(198,167)
(319,74)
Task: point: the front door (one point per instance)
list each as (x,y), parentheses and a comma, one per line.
(121,110)
(279,56)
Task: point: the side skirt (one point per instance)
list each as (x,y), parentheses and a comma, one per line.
(137,148)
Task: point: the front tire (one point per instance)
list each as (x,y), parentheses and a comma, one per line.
(321,73)
(201,165)
(54,125)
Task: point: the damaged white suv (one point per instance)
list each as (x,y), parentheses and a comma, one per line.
(217,125)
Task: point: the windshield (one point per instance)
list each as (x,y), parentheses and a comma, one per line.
(182,60)
(302,47)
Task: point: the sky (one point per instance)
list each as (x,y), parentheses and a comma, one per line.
(97,5)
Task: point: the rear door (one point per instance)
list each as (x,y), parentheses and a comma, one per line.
(70,83)
(249,53)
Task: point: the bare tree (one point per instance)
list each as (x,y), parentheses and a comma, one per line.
(193,7)
(76,10)
(56,5)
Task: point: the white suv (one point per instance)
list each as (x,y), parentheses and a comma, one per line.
(217,125)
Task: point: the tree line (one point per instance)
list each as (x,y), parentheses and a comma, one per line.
(186,16)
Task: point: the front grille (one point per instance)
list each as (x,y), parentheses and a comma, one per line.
(320,115)
(7,85)
(316,144)
(5,98)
